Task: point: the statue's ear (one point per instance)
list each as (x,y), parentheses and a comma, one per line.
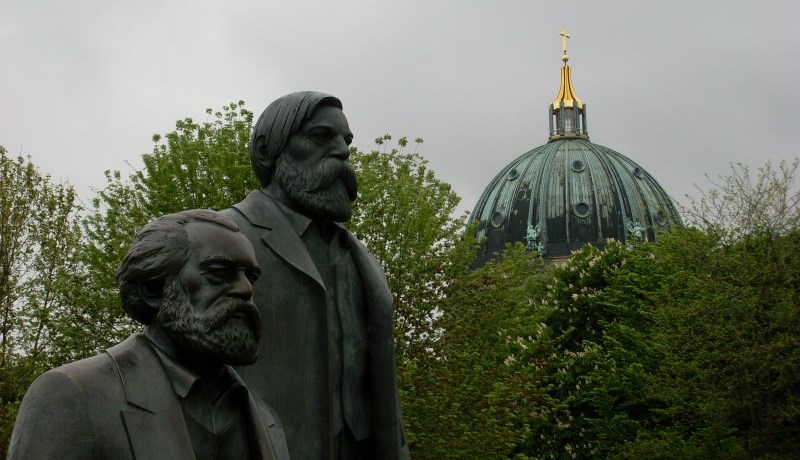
(262,153)
(151,293)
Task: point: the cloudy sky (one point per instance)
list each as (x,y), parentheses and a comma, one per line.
(681,87)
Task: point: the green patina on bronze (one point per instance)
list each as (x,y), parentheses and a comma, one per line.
(570,192)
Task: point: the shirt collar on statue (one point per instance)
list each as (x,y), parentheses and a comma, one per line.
(181,377)
(297,221)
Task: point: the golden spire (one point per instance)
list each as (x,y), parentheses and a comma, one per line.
(566,93)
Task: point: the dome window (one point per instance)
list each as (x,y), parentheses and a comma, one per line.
(637,171)
(578,166)
(581,209)
(513,174)
(497,219)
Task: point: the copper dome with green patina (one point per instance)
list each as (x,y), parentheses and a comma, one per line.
(570,192)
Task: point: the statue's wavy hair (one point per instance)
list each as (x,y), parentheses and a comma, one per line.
(276,125)
(157,254)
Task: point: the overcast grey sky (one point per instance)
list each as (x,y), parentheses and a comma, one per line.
(681,87)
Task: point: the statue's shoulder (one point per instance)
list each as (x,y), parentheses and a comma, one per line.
(72,382)
(86,371)
(72,412)
(98,370)
(257,209)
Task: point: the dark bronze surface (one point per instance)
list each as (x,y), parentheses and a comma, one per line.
(327,353)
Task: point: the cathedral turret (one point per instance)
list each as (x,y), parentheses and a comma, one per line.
(567,112)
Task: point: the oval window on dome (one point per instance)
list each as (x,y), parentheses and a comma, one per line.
(513,174)
(578,166)
(497,219)
(581,209)
(637,171)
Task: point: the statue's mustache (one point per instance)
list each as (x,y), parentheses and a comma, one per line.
(229,307)
(327,172)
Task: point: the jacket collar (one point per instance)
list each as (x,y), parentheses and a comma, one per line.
(280,235)
(157,414)
(154,413)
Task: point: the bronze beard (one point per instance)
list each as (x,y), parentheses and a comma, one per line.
(227,333)
(325,192)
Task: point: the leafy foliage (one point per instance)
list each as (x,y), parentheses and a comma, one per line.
(195,166)
(404,215)
(589,353)
(739,205)
(728,329)
(38,236)
(198,165)
(729,322)
(465,401)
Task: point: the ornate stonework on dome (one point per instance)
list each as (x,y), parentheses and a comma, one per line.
(570,192)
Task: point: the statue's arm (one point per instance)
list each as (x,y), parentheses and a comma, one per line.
(53,421)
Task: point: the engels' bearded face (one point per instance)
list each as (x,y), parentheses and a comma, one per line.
(207,310)
(313,170)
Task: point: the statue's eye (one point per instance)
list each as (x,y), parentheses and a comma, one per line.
(218,274)
(321,134)
(252,275)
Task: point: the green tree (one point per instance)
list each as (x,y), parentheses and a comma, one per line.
(198,165)
(203,165)
(588,353)
(467,400)
(405,216)
(38,242)
(738,205)
(728,323)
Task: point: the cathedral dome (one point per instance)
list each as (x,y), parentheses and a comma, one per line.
(570,192)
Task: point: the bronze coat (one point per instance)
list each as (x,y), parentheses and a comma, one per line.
(291,373)
(119,405)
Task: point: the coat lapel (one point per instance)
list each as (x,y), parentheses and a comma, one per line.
(262,211)
(270,440)
(371,272)
(153,420)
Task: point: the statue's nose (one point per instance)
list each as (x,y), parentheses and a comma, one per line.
(341,151)
(242,287)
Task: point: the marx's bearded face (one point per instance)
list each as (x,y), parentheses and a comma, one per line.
(228,332)
(313,170)
(207,309)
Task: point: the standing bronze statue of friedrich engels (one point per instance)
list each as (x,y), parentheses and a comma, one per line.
(166,393)
(327,355)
